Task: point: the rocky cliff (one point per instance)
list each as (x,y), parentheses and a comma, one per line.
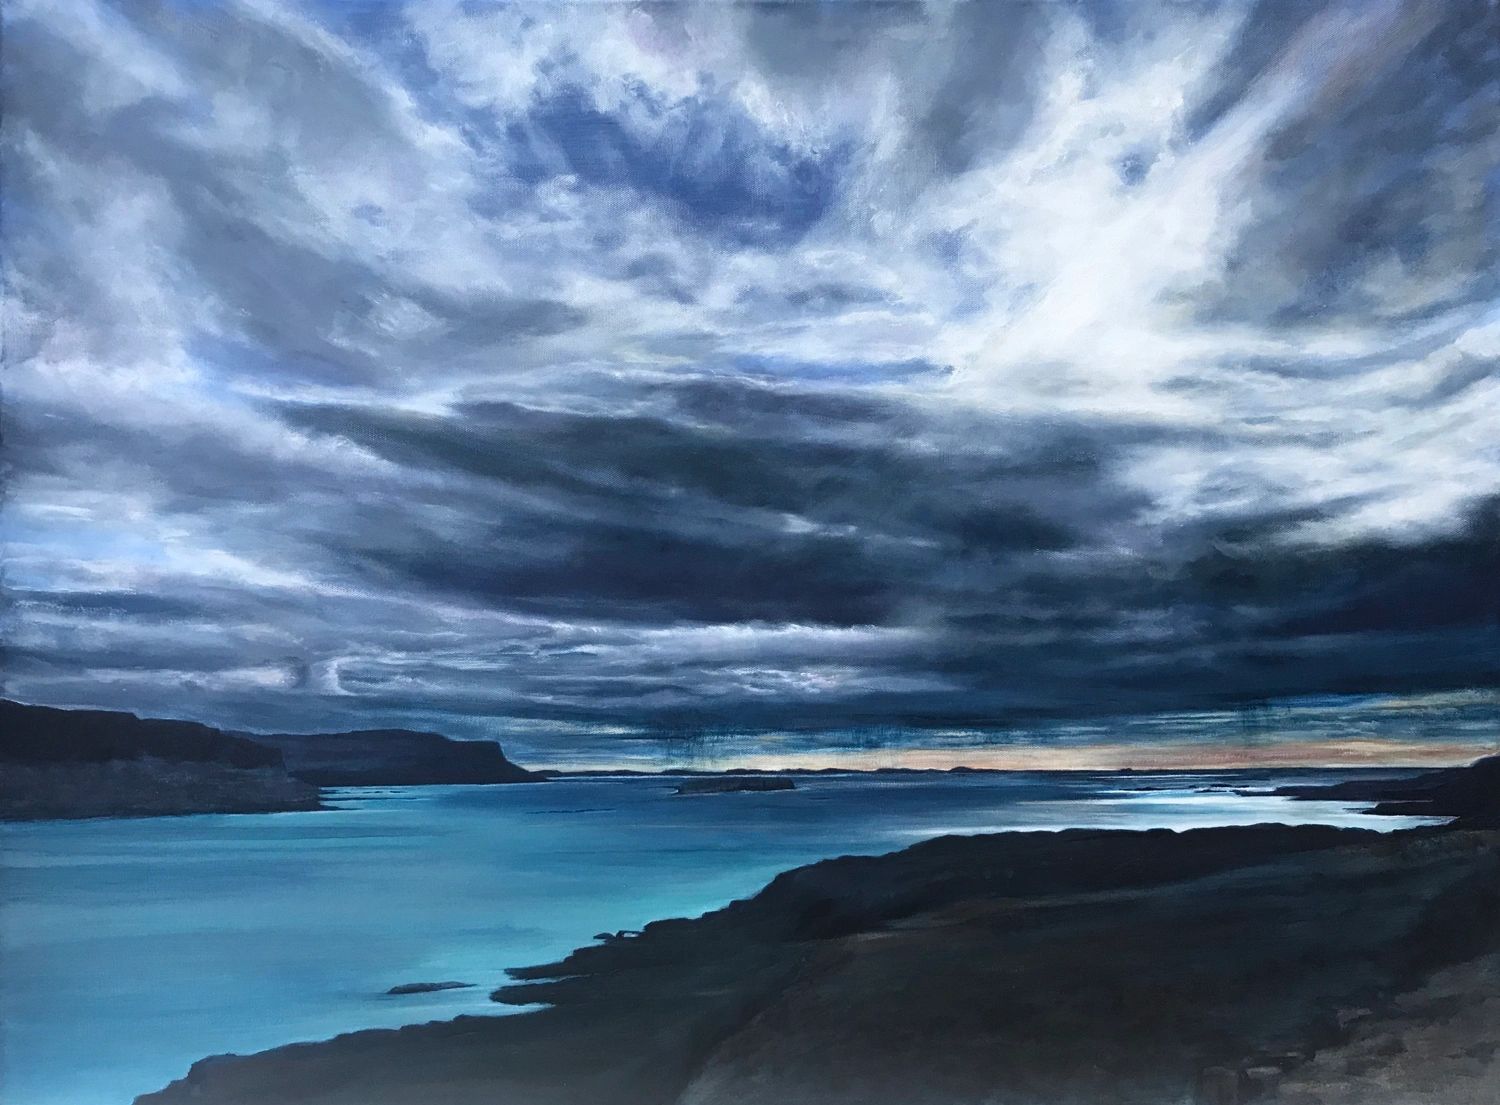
(392,757)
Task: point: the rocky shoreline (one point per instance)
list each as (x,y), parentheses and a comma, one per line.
(1271,963)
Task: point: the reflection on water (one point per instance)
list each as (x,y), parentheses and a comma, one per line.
(132,948)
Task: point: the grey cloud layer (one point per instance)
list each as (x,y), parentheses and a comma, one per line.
(616,369)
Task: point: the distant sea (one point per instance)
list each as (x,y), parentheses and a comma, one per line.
(132,948)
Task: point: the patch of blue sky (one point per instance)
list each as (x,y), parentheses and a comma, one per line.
(699,156)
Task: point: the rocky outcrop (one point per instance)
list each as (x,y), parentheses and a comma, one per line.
(393,757)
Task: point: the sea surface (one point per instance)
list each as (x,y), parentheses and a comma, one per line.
(131,948)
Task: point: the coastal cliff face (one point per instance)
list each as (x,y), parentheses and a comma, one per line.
(1220,966)
(392,757)
(100,763)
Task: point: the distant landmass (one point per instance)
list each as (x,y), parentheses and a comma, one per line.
(57,763)
(104,763)
(1380,773)
(392,757)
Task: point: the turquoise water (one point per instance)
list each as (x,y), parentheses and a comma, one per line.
(133,947)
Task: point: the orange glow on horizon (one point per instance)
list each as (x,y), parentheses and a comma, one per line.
(1183,756)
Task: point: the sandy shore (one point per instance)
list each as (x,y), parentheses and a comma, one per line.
(1281,964)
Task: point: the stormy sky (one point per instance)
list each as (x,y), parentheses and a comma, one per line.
(573,373)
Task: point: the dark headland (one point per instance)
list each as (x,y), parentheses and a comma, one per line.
(392,757)
(1294,965)
(103,763)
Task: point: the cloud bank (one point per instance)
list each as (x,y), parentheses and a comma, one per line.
(583,372)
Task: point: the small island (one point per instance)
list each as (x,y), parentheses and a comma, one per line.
(733,784)
(407,988)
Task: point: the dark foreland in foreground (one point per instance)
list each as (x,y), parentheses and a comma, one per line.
(1295,965)
(100,763)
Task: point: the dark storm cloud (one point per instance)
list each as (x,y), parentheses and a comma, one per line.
(596,371)
(728,516)
(891,533)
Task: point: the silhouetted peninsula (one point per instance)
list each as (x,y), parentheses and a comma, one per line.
(393,757)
